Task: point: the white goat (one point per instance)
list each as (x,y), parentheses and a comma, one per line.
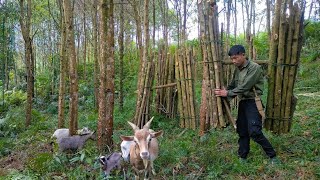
(64,132)
(144,150)
(125,149)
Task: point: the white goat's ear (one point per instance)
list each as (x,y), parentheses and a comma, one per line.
(147,125)
(127,138)
(102,160)
(134,127)
(156,134)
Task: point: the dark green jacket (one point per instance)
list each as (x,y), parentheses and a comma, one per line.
(244,79)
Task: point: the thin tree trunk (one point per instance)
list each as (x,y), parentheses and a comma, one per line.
(103,13)
(73,105)
(268,19)
(63,70)
(121,55)
(106,91)
(84,41)
(110,76)
(184,28)
(95,52)
(25,23)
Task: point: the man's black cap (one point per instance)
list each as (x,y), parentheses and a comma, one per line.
(236,49)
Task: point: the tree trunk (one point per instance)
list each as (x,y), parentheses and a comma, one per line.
(184,34)
(110,76)
(106,91)
(25,23)
(63,70)
(121,56)
(268,18)
(95,52)
(73,104)
(84,41)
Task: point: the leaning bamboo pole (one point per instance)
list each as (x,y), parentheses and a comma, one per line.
(216,60)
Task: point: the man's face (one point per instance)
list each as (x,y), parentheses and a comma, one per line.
(238,60)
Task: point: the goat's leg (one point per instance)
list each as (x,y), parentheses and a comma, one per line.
(146,174)
(136,173)
(152,168)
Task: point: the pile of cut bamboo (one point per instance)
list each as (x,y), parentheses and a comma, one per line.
(166,90)
(214,111)
(284,57)
(184,68)
(144,100)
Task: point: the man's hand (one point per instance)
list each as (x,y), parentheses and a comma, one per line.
(221,92)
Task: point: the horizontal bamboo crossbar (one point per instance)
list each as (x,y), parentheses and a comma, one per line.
(164,86)
(256,61)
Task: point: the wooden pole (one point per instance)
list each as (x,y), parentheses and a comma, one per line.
(271,70)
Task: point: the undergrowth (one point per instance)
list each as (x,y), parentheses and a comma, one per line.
(27,153)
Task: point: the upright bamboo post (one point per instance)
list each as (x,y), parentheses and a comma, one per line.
(191,89)
(290,104)
(278,72)
(271,70)
(287,64)
(179,87)
(185,86)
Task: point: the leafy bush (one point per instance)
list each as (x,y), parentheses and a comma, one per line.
(15,98)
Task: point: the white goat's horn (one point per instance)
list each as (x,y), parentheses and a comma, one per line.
(134,127)
(147,125)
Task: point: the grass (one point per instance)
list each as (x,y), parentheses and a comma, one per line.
(26,153)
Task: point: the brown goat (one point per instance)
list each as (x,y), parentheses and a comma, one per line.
(145,149)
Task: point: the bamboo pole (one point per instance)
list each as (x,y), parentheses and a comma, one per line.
(292,72)
(287,62)
(278,73)
(191,89)
(271,70)
(185,85)
(216,58)
(204,109)
(165,85)
(261,62)
(170,101)
(179,87)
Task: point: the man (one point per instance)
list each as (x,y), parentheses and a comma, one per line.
(247,77)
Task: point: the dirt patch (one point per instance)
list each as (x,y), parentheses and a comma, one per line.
(17,159)
(13,161)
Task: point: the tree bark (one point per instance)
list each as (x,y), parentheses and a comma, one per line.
(106,63)
(73,104)
(121,55)
(95,52)
(110,76)
(63,70)
(25,23)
